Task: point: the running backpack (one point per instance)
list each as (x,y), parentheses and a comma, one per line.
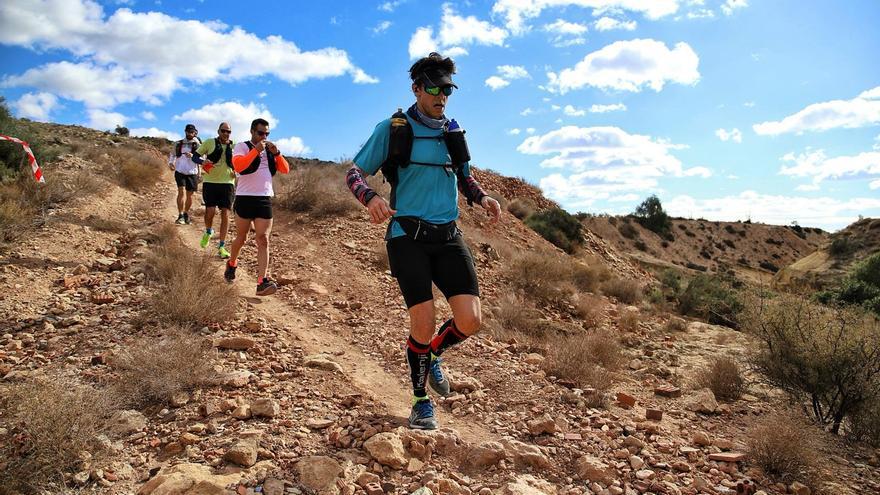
(215,155)
(178,147)
(400,144)
(256,163)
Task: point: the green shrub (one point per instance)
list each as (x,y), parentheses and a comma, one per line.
(827,357)
(711,298)
(557,226)
(12,155)
(651,216)
(860,287)
(840,246)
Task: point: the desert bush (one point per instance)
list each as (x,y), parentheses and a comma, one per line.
(711,298)
(723,376)
(640,245)
(521,208)
(860,287)
(670,278)
(151,371)
(588,360)
(587,276)
(122,130)
(514,315)
(651,216)
(783,447)
(544,277)
(192,292)
(864,423)
(557,226)
(828,357)
(588,309)
(628,320)
(624,289)
(136,169)
(675,324)
(13,159)
(627,230)
(769,266)
(318,190)
(841,246)
(51,421)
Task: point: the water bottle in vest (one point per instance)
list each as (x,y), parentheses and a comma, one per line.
(456,144)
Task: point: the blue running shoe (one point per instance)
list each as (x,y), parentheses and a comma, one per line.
(422,416)
(437,381)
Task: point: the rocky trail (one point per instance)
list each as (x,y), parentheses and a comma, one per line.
(311,389)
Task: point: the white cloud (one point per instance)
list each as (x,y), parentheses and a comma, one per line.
(624,198)
(147,115)
(135,56)
(749,104)
(454,33)
(614,107)
(36,106)
(530,130)
(599,162)
(381,27)
(824,212)
(816,165)
(701,14)
(103,120)
(527,111)
(154,132)
(239,116)
(422,43)
(506,73)
(390,6)
(630,66)
(861,111)
(566,33)
(733,135)
(610,23)
(496,82)
(517,12)
(702,172)
(573,112)
(731,5)
(874,184)
(877,142)
(513,132)
(292,146)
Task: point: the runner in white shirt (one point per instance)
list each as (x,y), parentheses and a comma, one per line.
(186,171)
(255,162)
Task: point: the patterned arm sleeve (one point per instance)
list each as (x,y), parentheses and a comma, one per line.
(469,187)
(358,185)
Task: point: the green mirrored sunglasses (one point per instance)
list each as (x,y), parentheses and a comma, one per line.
(435,90)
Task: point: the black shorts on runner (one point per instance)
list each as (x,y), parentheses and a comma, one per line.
(449,265)
(218,195)
(251,207)
(185,181)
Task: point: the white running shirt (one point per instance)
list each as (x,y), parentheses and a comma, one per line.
(258,183)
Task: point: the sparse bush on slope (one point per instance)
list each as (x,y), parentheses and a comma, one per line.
(711,298)
(784,447)
(558,227)
(318,190)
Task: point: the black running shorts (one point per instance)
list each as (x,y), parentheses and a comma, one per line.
(185,181)
(251,207)
(218,195)
(449,265)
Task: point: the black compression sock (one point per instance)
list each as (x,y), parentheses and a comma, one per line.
(447,336)
(419,358)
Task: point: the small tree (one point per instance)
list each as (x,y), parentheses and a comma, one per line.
(651,215)
(122,130)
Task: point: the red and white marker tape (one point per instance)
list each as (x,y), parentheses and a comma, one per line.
(38,173)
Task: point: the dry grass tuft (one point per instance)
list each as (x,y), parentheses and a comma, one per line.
(724,377)
(588,309)
(628,320)
(137,170)
(784,446)
(544,276)
(514,315)
(588,275)
(150,371)
(675,324)
(588,360)
(521,208)
(52,421)
(626,290)
(318,190)
(193,292)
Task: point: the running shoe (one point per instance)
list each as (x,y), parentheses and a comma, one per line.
(229,274)
(422,416)
(186,219)
(180,220)
(266,287)
(437,381)
(206,238)
(222,252)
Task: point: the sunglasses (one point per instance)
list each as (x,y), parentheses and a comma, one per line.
(225,131)
(262,133)
(435,90)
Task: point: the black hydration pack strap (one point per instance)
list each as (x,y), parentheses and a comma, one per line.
(255,164)
(215,155)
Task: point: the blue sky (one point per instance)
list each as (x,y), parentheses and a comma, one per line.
(726,109)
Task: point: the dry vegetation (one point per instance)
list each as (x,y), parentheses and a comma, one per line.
(192,292)
(629,320)
(723,376)
(521,208)
(318,190)
(586,359)
(135,169)
(55,424)
(784,447)
(151,371)
(623,289)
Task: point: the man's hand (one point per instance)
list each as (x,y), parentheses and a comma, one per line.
(260,146)
(379,210)
(272,148)
(492,207)
(188,154)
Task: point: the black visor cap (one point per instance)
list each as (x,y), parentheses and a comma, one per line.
(438,78)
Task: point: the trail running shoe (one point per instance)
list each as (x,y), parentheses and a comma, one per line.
(180,220)
(266,287)
(186,219)
(222,252)
(229,274)
(206,238)
(422,416)
(437,381)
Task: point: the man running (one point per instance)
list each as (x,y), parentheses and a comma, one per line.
(256,162)
(218,188)
(424,157)
(186,171)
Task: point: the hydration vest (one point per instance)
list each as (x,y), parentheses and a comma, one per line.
(256,163)
(178,147)
(215,155)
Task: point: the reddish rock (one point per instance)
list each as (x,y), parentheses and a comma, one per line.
(668,391)
(727,456)
(625,400)
(374,489)
(654,414)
